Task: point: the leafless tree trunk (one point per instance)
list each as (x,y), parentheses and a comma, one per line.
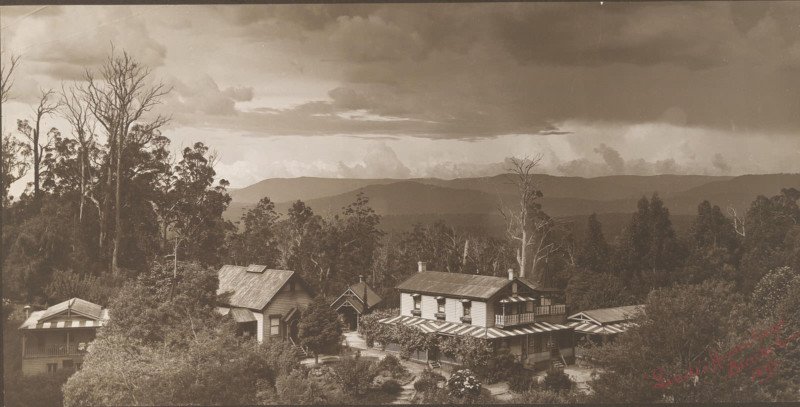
(738,223)
(45,107)
(518,220)
(6,83)
(119,100)
(83,127)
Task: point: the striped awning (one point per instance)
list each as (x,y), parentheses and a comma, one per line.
(610,329)
(34,321)
(517,298)
(453,328)
(67,324)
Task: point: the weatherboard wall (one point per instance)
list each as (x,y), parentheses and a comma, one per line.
(454,310)
(281,304)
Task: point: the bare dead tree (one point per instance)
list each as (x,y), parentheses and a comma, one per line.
(118,100)
(518,220)
(48,104)
(6,77)
(13,165)
(83,129)
(738,223)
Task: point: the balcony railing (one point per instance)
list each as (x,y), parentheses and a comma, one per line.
(509,320)
(551,310)
(55,350)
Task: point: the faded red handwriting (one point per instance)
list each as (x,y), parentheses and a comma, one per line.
(755,356)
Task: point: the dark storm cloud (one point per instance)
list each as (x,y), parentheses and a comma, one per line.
(464,71)
(481,70)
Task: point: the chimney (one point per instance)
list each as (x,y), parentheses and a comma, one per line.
(360,278)
(422,266)
(510,274)
(27,309)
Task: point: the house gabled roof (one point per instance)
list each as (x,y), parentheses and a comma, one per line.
(82,314)
(357,289)
(74,306)
(357,305)
(249,289)
(603,316)
(458,285)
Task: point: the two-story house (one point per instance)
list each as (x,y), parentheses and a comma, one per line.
(57,338)
(509,312)
(265,303)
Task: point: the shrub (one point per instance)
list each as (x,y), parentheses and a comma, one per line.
(521,380)
(298,388)
(392,364)
(33,391)
(354,375)
(541,396)
(372,330)
(464,383)
(280,356)
(392,387)
(427,381)
(503,366)
(319,328)
(556,380)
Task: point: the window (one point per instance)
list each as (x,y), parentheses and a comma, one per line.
(274,326)
(529,306)
(417,302)
(440,303)
(467,308)
(52,367)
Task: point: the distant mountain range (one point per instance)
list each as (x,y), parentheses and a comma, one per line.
(474,202)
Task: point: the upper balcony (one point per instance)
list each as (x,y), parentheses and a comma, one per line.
(529,317)
(73,349)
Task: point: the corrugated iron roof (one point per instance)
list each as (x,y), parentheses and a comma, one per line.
(242,315)
(530,283)
(454,284)
(76,305)
(608,315)
(251,290)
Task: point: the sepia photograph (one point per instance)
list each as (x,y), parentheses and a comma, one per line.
(373,203)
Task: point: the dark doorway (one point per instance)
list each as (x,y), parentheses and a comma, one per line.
(293,329)
(349,317)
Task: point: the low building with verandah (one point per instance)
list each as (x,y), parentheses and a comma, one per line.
(58,337)
(602,325)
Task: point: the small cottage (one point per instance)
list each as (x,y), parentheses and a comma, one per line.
(357,300)
(57,338)
(264,303)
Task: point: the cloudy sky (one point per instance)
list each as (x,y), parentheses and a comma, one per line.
(447,90)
